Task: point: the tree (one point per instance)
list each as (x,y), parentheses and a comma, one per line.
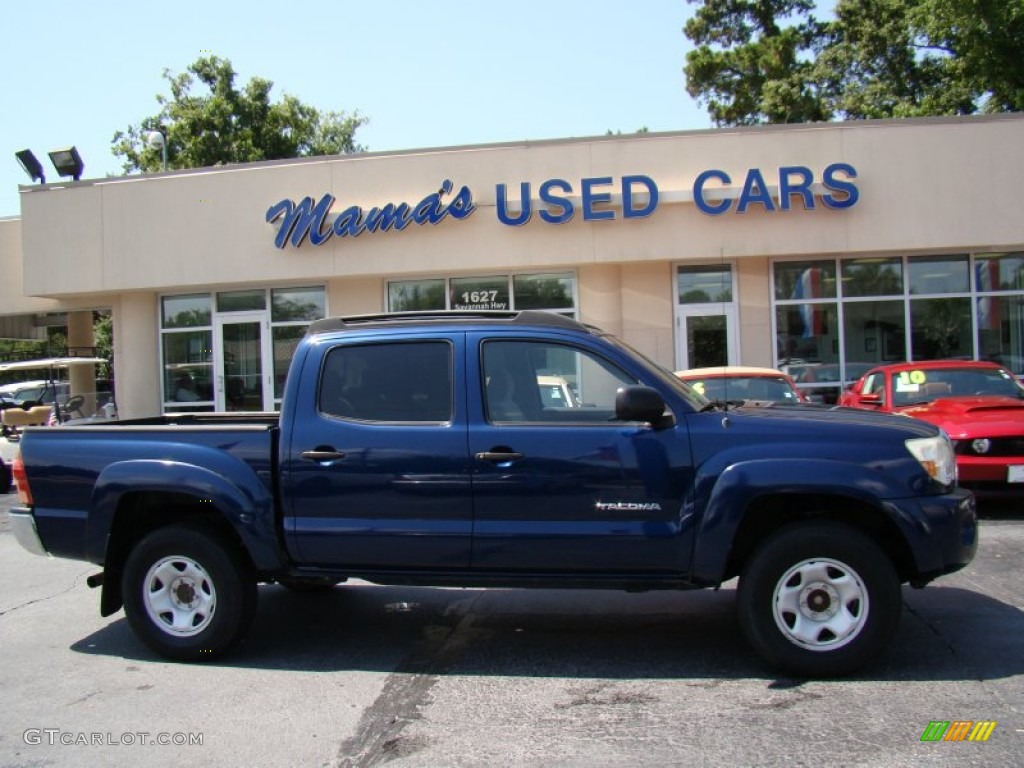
(751,67)
(227,125)
(877,58)
(904,58)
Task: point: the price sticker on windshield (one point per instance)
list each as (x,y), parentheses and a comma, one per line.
(910,381)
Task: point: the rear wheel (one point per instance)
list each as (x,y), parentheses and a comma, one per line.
(188,594)
(819,599)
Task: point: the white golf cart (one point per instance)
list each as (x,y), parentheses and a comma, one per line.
(46,401)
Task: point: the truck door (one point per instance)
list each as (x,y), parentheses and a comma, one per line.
(377,471)
(563,486)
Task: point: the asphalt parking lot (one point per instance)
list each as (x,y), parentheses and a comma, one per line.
(372,675)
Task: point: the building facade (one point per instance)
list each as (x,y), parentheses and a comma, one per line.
(821,248)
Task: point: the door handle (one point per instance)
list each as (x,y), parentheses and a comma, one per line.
(499,457)
(323,454)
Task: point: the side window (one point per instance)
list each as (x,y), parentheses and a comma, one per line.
(389,382)
(875,385)
(544,382)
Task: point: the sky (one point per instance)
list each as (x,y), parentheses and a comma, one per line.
(425,74)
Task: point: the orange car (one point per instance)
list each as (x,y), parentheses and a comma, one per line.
(741,382)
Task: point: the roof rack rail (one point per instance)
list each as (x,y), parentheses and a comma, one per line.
(521,317)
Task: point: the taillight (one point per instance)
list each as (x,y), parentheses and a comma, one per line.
(21,480)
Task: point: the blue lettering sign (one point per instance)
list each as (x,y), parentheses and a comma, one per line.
(755,191)
(788,188)
(525,211)
(554,201)
(698,192)
(592,198)
(628,211)
(301,220)
(848,190)
(309,219)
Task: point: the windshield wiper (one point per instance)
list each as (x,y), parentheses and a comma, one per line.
(724,405)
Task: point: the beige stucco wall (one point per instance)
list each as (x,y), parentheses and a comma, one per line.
(13,299)
(923,185)
(752,278)
(135,354)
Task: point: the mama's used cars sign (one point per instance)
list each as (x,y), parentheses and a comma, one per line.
(557,201)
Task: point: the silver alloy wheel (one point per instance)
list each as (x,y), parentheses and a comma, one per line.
(179,596)
(820,604)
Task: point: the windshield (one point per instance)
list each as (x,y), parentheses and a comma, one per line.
(923,386)
(776,390)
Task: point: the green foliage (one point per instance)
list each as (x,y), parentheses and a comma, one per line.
(226,125)
(772,61)
(751,67)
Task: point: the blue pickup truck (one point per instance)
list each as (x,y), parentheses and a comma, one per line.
(418,449)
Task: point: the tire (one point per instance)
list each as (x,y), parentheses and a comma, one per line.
(819,599)
(188,594)
(5,478)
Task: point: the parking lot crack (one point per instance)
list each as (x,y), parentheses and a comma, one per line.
(379,735)
(44,598)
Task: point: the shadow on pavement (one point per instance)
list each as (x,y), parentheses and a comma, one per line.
(946,633)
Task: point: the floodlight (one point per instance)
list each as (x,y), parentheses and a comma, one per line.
(31,165)
(68,162)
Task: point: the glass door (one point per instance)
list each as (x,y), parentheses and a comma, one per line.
(242,382)
(706,338)
(706,316)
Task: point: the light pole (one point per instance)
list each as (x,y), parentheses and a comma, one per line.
(157,139)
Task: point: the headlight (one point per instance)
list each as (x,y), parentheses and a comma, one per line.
(936,456)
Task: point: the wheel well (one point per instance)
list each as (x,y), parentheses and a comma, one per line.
(139,514)
(770,513)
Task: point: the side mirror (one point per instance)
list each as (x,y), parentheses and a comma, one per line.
(875,398)
(637,403)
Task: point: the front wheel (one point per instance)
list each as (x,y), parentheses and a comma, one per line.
(819,599)
(188,594)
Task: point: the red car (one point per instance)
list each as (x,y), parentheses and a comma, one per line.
(980,405)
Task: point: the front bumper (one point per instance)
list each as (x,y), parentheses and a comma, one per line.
(944,538)
(23,526)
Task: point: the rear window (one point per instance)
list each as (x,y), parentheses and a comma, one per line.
(388,382)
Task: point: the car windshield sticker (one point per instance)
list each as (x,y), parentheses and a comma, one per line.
(910,381)
(698,386)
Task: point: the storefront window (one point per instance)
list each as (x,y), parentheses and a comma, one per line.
(940,328)
(873,332)
(700,285)
(872,277)
(999,272)
(544,291)
(285,339)
(807,331)
(803,280)
(186,311)
(1001,330)
(938,274)
(416,295)
(242,301)
(188,367)
(547,291)
(292,304)
(479,293)
(200,348)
